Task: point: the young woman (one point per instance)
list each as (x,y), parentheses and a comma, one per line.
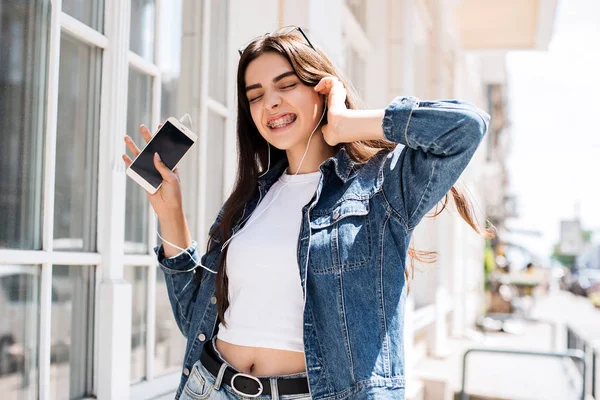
(300,293)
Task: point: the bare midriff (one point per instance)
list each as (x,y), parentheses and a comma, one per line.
(260,361)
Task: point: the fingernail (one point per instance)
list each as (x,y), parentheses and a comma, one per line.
(157,156)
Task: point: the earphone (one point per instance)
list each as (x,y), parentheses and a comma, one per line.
(249,219)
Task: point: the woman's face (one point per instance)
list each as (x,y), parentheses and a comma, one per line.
(284,110)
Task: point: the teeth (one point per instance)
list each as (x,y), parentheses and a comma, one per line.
(281,122)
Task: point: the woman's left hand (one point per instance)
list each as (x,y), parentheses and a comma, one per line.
(335,93)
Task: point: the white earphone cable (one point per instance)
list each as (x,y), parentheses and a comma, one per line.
(281,188)
(198,264)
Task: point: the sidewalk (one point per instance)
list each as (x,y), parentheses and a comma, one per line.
(497,376)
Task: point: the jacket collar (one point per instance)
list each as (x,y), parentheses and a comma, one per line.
(341,163)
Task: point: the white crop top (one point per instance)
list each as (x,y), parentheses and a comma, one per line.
(266,303)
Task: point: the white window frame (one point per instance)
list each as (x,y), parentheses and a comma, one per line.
(208,104)
(47,257)
(61,23)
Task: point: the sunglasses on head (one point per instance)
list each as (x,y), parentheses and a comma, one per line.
(286,30)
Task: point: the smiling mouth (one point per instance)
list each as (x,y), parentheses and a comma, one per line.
(282,122)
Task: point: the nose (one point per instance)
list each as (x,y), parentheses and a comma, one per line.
(272,100)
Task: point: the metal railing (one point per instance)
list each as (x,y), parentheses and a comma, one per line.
(577,341)
(571,354)
(594,359)
(552,324)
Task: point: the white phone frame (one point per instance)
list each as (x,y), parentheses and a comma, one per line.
(138,178)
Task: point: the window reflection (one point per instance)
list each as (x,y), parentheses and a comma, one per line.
(178,90)
(217,83)
(141,38)
(138,277)
(170,343)
(87,11)
(216,142)
(23,48)
(76,177)
(71,331)
(139,107)
(19,310)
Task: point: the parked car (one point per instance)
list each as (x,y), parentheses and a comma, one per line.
(584,281)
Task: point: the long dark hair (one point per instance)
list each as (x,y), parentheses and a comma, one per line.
(310,66)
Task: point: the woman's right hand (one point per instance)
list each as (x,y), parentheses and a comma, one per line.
(168,198)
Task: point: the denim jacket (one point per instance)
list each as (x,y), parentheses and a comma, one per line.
(352,249)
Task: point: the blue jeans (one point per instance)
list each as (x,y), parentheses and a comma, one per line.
(201,384)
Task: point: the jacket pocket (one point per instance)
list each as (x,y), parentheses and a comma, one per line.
(341,237)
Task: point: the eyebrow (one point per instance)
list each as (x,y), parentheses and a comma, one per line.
(275,80)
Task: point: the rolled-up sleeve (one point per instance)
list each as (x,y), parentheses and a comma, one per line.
(182,285)
(183,262)
(437,140)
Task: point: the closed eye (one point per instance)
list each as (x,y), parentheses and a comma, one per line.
(255,98)
(290,86)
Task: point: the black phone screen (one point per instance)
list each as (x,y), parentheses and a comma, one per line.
(171,144)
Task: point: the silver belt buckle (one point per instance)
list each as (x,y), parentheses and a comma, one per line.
(237,391)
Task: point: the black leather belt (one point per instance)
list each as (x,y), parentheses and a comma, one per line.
(248,385)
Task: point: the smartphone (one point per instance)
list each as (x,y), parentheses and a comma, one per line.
(172,141)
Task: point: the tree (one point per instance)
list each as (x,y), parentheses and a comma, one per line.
(564,259)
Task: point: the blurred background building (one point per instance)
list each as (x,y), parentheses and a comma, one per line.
(83,308)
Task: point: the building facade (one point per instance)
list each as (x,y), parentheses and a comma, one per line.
(83,307)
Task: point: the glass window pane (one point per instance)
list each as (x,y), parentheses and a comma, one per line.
(170,343)
(76,176)
(178,93)
(141,38)
(90,12)
(19,311)
(216,136)
(138,277)
(171,36)
(24,32)
(218,50)
(72,331)
(139,105)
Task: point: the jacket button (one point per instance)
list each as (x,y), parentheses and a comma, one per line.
(186,372)
(213,300)
(336,215)
(202,337)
